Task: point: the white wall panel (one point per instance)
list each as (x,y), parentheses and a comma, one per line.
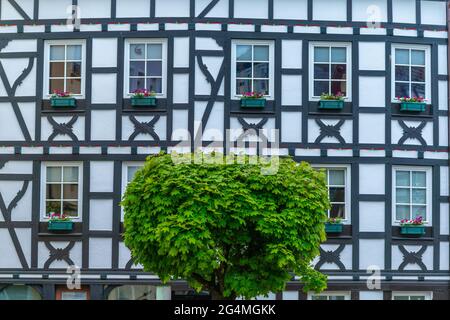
(220,10)
(397,257)
(9,13)
(443,95)
(104,52)
(371,295)
(172,8)
(443,131)
(369,10)
(291,126)
(103,125)
(372,92)
(180,125)
(104,88)
(13,69)
(291,91)
(288,9)
(100,253)
(443,254)
(371,216)
(215,125)
(291,54)
(139,8)
(44,254)
(159,128)
(433,12)
(95,8)
(47,129)
(372,56)
(7,250)
(314,131)
(427,132)
(181,52)
(371,253)
(444,213)
(181,88)
(51,9)
(444,180)
(102,176)
(335,10)
(100,214)
(345,257)
(404,11)
(371,128)
(9,126)
(442,59)
(371,179)
(257,9)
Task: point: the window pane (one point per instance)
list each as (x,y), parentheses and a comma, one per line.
(137,68)
(244,69)
(131,171)
(57,53)
(70,208)
(418,57)
(337,211)
(56,69)
(137,51)
(53,191)
(261,53)
(402,178)
(73,69)
(154,84)
(321,87)
(321,54)
(419,196)
(319,297)
(402,195)
(261,86)
(401,73)
(70,174)
(261,70)
(74,86)
(337,177)
(402,212)
(417,90)
(137,83)
(338,54)
(154,68)
(70,191)
(416,298)
(154,51)
(53,174)
(244,52)
(401,89)
(419,179)
(401,298)
(52,207)
(339,87)
(321,71)
(243,86)
(419,211)
(401,56)
(56,85)
(338,71)
(74,52)
(337,194)
(418,74)
(336,298)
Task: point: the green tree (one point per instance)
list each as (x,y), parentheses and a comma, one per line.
(227,228)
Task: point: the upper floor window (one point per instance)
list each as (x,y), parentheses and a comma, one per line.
(411,295)
(146,64)
(410,71)
(412,194)
(62,189)
(330,69)
(64,67)
(252,67)
(329,296)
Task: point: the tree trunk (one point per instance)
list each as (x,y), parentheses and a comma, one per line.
(216,295)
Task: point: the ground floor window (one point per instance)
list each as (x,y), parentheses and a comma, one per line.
(335,295)
(411,295)
(133,293)
(18,292)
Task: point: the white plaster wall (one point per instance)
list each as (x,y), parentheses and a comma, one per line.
(104,88)
(173,8)
(371,216)
(288,9)
(22,45)
(236,129)
(103,125)
(220,10)
(369,10)
(22,211)
(21,167)
(442,59)
(102,176)
(100,214)
(372,92)
(291,91)
(77,128)
(345,257)
(159,127)
(397,133)
(7,250)
(291,54)
(180,88)
(139,8)
(443,95)
(330,11)
(51,9)
(404,11)
(9,126)
(9,13)
(371,128)
(94,9)
(314,131)
(180,125)
(104,52)
(443,131)
(291,126)
(372,56)
(203,87)
(206,43)
(44,254)
(371,179)
(443,254)
(257,9)
(100,253)
(444,180)
(371,295)
(181,52)
(433,12)
(444,213)
(371,253)
(13,69)
(397,257)
(215,125)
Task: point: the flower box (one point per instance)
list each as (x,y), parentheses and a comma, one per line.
(333,227)
(60,225)
(413,106)
(417,230)
(143,102)
(331,104)
(253,103)
(62,102)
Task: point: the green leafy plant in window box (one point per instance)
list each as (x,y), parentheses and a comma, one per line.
(334,225)
(60,222)
(143,98)
(412,104)
(414,226)
(253,100)
(62,99)
(330,101)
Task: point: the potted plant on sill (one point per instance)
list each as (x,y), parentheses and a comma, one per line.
(413,226)
(143,98)
(60,222)
(331,101)
(334,225)
(412,103)
(253,100)
(62,99)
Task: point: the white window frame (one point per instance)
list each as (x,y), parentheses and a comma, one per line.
(348,46)
(46,84)
(345,294)
(427,68)
(128,43)
(348,177)
(125,166)
(44,167)
(271,45)
(428,171)
(427,294)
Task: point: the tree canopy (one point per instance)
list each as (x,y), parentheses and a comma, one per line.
(227,228)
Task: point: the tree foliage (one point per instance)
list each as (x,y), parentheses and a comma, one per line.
(227,228)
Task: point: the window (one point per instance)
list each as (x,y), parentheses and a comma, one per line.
(146,65)
(62,189)
(252,69)
(330,66)
(329,296)
(337,179)
(412,193)
(65,68)
(411,295)
(18,292)
(411,71)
